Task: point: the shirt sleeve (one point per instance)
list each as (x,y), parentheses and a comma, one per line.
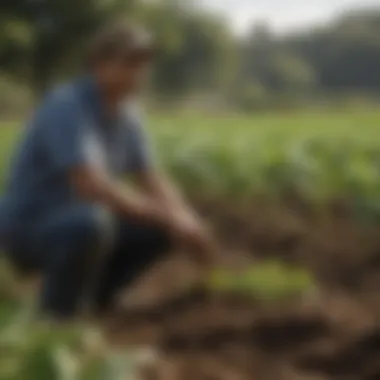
(63,133)
(140,150)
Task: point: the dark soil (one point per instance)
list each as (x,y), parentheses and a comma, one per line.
(331,334)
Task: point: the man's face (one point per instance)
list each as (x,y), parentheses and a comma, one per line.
(125,76)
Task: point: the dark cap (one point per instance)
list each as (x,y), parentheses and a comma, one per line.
(126,40)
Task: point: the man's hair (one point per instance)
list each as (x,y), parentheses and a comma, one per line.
(120,40)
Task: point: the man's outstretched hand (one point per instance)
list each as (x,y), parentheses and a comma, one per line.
(194,235)
(178,217)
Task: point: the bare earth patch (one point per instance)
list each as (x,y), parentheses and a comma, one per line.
(331,333)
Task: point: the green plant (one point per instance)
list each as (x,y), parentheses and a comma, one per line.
(267,281)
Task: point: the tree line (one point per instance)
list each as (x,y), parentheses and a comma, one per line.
(41,41)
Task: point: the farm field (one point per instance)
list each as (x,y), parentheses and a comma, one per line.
(320,155)
(283,191)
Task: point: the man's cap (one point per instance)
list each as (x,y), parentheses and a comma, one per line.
(122,39)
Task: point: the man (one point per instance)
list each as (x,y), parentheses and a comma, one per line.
(67,211)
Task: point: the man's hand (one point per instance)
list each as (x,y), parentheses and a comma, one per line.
(184,224)
(191,232)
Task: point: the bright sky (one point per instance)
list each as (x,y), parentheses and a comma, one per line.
(283,15)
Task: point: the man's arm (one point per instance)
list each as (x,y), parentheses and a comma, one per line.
(151,180)
(159,204)
(158,186)
(93,184)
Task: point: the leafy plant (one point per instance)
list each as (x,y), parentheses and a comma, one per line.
(270,280)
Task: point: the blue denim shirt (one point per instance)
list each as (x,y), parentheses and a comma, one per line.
(70,128)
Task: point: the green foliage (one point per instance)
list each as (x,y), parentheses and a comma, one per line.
(31,349)
(291,73)
(266,281)
(9,135)
(320,156)
(36,351)
(195,48)
(45,40)
(252,96)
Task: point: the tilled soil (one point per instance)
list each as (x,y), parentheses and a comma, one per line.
(333,333)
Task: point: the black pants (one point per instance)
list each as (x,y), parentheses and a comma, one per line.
(87,254)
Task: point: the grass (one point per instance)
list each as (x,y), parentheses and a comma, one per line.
(9,133)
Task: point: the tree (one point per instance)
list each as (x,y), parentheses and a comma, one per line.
(196,49)
(289,72)
(55,29)
(346,54)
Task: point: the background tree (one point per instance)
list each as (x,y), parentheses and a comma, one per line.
(53,30)
(41,41)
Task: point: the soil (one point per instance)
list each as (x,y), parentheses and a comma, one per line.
(333,333)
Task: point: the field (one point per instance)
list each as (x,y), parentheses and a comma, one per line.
(283,192)
(320,155)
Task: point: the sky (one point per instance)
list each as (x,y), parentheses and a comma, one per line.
(283,15)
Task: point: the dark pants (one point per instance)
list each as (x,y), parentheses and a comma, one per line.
(87,255)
